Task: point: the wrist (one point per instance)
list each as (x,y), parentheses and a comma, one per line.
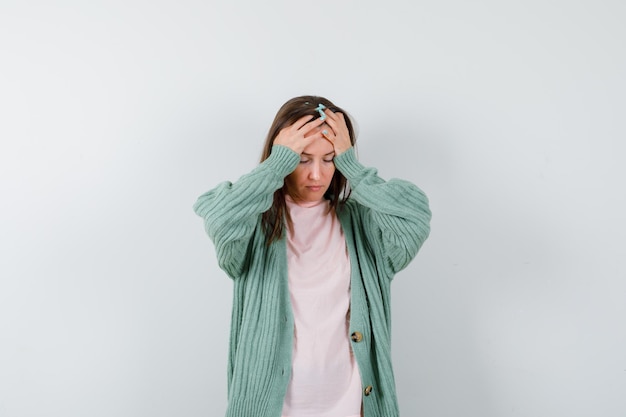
(340,150)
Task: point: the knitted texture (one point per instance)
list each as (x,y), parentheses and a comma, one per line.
(384,223)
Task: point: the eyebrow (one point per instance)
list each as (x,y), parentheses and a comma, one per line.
(308,154)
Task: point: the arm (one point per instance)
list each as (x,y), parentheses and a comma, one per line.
(396,217)
(231,210)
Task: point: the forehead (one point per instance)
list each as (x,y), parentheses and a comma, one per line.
(319,147)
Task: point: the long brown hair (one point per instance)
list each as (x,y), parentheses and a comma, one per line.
(274,219)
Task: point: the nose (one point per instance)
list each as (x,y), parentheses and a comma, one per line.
(314,174)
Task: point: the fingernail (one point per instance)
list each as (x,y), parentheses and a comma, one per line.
(320,109)
(324,132)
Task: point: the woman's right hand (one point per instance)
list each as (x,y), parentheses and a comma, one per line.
(300,134)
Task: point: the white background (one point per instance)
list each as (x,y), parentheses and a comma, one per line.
(116,115)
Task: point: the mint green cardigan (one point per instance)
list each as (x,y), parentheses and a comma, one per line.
(384,223)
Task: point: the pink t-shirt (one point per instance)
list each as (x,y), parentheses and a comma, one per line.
(325,380)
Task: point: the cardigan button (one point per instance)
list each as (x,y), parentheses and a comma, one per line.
(356,337)
(368,390)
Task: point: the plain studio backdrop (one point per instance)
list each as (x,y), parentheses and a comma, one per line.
(116,115)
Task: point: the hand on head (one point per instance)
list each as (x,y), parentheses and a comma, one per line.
(339,135)
(304,131)
(300,134)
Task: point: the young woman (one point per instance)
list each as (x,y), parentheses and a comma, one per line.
(312,240)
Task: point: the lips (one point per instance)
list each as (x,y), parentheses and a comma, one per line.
(314,187)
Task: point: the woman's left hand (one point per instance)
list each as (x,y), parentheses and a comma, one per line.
(340,136)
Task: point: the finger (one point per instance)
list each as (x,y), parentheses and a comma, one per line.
(333,122)
(311,125)
(331,114)
(309,140)
(301,121)
(341,121)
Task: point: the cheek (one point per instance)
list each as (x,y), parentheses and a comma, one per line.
(296,176)
(330,170)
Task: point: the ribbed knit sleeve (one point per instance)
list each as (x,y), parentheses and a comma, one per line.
(396,214)
(231,210)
